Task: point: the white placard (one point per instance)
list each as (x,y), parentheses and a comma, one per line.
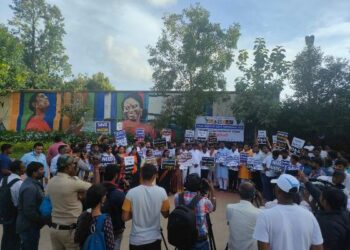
(119,126)
(189,134)
(129,161)
(274,139)
(298,143)
(202,134)
(261,133)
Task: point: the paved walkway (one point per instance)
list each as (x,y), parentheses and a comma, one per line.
(218,219)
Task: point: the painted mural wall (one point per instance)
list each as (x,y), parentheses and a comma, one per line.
(42,110)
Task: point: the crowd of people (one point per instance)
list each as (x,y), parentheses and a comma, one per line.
(290,199)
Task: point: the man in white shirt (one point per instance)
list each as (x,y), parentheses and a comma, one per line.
(196,160)
(287,226)
(269,173)
(63,149)
(144,204)
(10,239)
(241,218)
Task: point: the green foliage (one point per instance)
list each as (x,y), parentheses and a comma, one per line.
(191,56)
(40,27)
(97,82)
(320,104)
(13,72)
(257,92)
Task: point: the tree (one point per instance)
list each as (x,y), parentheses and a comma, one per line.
(191,57)
(40,27)
(305,73)
(13,72)
(257,99)
(97,82)
(320,104)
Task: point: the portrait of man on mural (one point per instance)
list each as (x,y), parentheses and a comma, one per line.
(38,104)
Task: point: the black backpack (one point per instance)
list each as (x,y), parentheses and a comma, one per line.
(182,230)
(8,211)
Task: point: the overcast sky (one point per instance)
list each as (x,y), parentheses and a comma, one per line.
(111,35)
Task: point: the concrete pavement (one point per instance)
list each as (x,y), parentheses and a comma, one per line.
(218,219)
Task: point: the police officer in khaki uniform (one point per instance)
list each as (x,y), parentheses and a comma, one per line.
(64,191)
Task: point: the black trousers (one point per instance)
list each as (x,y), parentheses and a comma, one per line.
(256,178)
(10,239)
(232,179)
(151,246)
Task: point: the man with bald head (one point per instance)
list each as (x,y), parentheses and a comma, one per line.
(241,218)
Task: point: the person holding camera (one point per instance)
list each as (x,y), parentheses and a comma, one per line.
(241,219)
(205,203)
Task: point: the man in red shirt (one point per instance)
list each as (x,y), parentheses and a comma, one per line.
(53,149)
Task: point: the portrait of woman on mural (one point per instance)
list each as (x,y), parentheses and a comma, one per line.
(134,114)
(38,104)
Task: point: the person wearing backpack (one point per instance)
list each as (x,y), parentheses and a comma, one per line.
(94,228)
(9,191)
(29,220)
(201,205)
(144,204)
(114,202)
(5,161)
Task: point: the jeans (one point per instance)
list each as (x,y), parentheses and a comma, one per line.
(30,239)
(201,245)
(118,241)
(10,239)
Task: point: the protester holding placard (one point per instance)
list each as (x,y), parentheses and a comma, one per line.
(221,167)
(166,171)
(244,173)
(257,158)
(232,162)
(135,173)
(204,168)
(196,160)
(269,174)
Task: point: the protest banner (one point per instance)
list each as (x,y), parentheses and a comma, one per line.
(119,126)
(212,139)
(261,136)
(129,166)
(166,134)
(276,165)
(297,144)
(120,138)
(250,162)
(243,158)
(220,157)
(157,143)
(258,164)
(189,136)
(274,139)
(140,134)
(157,153)
(102,127)
(282,138)
(232,161)
(106,159)
(285,164)
(226,128)
(168,164)
(208,162)
(129,161)
(202,135)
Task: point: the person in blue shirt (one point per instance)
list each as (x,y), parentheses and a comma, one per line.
(5,161)
(36,156)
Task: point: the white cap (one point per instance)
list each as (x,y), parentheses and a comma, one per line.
(286,183)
